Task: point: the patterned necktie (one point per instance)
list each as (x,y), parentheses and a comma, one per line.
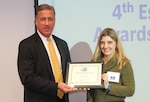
(56,66)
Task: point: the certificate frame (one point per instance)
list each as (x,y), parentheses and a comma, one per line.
(84,74)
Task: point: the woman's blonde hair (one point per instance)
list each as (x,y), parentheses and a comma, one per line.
(119,52)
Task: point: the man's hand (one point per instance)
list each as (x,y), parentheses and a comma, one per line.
(65,88)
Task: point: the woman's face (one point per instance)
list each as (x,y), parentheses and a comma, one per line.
(108,46)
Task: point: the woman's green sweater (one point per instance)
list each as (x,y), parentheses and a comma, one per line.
(119,91)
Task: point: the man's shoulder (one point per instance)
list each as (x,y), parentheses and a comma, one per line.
(56,38)
(30,38)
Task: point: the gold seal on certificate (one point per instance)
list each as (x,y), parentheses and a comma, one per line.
(84,74)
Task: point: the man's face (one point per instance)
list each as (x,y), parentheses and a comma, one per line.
(45,22)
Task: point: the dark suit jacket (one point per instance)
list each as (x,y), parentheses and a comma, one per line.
(35,69)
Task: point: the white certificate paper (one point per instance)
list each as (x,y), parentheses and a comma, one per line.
(84,75)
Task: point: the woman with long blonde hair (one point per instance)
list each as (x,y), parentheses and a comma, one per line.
(109,50)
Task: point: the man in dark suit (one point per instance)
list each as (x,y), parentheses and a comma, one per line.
(34,61)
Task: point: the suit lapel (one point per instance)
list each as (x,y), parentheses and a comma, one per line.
(61,51)
(44,54)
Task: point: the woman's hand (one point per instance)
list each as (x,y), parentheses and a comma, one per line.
(105,78)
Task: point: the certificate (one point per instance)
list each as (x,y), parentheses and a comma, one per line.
(84,74)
